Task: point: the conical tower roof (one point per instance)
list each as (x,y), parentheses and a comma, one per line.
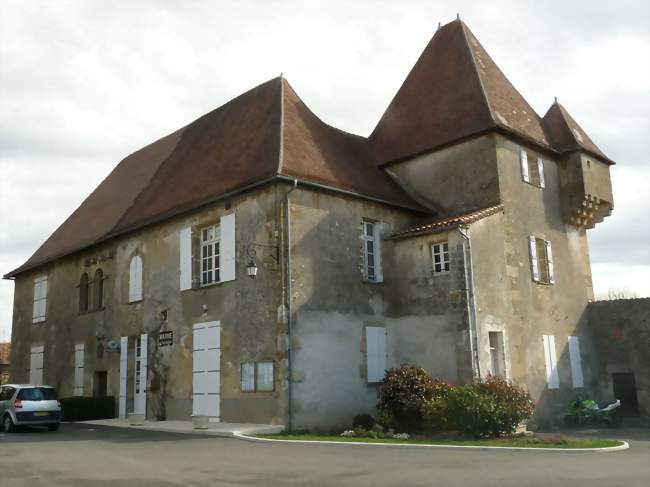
(454,91)
(566,135)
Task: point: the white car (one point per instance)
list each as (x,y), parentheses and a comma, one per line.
(26,404)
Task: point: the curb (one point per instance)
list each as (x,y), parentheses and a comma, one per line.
(244,437)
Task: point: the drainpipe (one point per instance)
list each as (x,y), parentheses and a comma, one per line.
(287,260)
(471,300)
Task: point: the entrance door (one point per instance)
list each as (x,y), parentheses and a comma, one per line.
(206,367)
(36,365)
(100,383)
(140,383)
(625,390)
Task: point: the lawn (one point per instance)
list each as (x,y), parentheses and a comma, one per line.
(542,441)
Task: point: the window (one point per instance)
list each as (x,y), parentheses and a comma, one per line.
(135,279)
(541,260)
(440,258)
(532,168)
(376,353)
(371,237)
(83,293)
(40,299)
(216,248)
(79,351)
(576,362)
(210,264)
(98,289)
(552,378)
(6,393)
(497,354)
(100,383)
(257,376)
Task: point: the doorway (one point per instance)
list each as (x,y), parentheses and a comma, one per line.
(100,383)
(625,390)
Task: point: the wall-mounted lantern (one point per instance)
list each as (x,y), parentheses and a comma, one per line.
(251,268)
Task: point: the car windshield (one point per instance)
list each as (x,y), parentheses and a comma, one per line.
(37,394)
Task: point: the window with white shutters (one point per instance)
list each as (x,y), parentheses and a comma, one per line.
(40,299)
(135,279)
(79,369)
(371,238)
(576,362)
(440,258)
(217,254)
(376,353)
(552,378)
(541,260)
(532,168)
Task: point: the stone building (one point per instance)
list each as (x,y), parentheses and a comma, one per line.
(453,237)
(5,360)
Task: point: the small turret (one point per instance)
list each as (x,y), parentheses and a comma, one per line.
(584,170)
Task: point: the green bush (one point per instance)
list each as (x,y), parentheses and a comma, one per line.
(87,408)
(402,395)
(489,408)
(435,411)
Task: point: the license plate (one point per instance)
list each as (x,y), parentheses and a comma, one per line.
(42,413)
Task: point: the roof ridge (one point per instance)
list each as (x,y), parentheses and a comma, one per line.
(476,71)
(281,131)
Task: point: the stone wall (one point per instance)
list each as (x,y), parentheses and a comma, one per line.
(621,333)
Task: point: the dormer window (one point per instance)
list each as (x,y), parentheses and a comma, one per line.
(532,168)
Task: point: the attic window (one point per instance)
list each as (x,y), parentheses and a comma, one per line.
(532,168)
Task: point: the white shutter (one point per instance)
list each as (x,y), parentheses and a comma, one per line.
(124,348)
(549,259)
(227,248)
(79,369)
(376,353)
(185,251)
(534,265)
(576,362)
(36,365)
(523,158)
(135,279)
(379,274)
(143,372)
(540,169)
(552,379)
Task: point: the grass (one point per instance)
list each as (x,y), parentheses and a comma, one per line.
(554,441)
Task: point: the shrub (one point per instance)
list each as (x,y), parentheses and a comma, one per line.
(87,408)
(435,411)
(402,395)
(364,420)
(489,408)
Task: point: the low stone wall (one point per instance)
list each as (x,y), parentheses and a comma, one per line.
(621,332)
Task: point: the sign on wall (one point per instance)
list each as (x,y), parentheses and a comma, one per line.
(166,339)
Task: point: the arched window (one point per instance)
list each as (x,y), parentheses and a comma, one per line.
(83,293)
(135,279)
(98,289)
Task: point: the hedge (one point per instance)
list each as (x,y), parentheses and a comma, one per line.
(87,408)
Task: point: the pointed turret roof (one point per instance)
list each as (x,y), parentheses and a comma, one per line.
(454,91)
(566,135)
(264,134)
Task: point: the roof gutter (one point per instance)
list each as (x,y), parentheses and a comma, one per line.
(287,250)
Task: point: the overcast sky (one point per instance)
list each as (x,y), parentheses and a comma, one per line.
(85,83)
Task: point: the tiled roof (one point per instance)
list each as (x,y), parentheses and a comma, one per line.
(233,147)
(449,222)
(566,135)
(454,91)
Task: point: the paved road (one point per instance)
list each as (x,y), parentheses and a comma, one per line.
(82,455)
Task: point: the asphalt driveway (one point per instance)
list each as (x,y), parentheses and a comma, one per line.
(82,455)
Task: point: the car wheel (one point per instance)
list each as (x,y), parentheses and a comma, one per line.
(53,427)
(7,424)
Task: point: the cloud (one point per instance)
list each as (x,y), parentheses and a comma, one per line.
(85,83)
